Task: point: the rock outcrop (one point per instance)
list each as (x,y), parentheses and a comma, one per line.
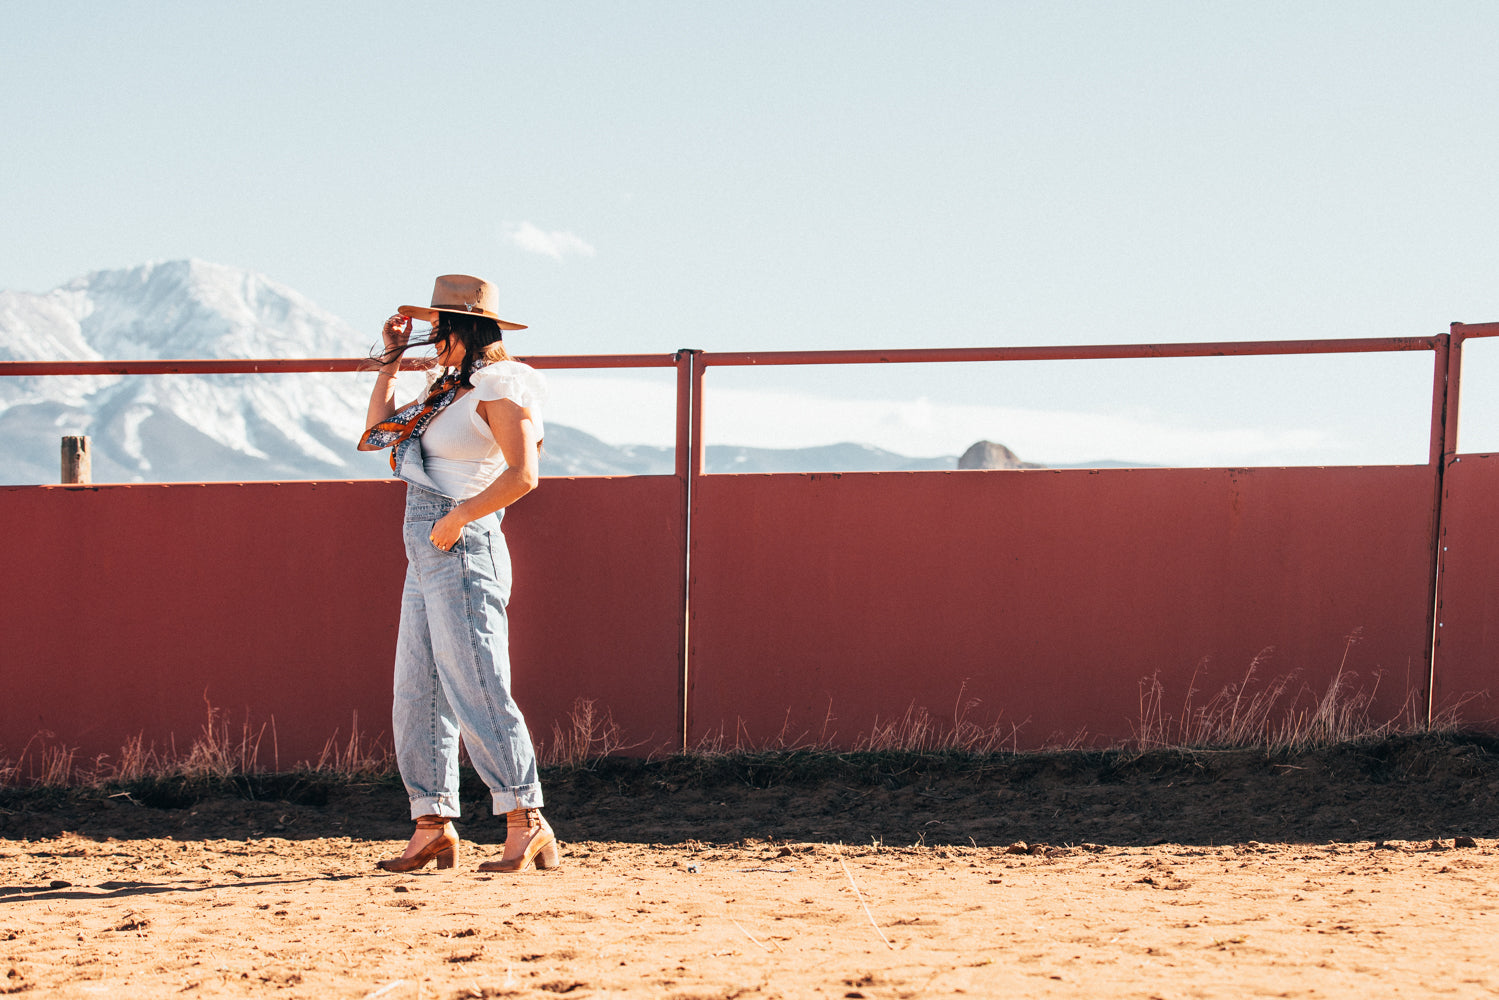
(988,455)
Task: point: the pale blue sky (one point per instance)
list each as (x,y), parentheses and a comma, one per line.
(803,175)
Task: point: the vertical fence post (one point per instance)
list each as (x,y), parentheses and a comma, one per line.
(698,461)
(694,470)
(1446,395)
(1454,392)
(77,467)
(685,359)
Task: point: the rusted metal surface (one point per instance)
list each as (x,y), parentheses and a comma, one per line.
(1466,611)
(264,366)
(1444,388)
(216,366)
(908,355)
(1452,401)
(1076,353)
(1439,403)
(1465,687)
(686,382)
(1471,330)
(825,605)
(278,603)
(684,411)
(697,459)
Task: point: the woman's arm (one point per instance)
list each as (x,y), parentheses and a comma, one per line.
(516,433)
(396,332)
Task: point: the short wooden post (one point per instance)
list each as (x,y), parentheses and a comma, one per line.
(76,466)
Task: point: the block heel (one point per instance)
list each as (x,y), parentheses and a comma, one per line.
(442,849)
(529,843)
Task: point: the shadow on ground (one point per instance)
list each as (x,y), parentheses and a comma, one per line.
(1401,788)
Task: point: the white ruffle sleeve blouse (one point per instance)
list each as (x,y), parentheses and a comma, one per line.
(461,454)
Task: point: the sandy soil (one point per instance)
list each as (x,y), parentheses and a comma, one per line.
(691,897)
(153,918)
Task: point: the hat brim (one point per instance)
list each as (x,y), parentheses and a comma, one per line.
(427,314)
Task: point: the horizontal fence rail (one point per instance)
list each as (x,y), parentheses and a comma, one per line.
(652,613)
(265,366)
(1095,352)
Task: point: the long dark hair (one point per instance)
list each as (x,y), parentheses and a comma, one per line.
(479,335)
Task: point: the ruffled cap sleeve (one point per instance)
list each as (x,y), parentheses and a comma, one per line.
(512,380)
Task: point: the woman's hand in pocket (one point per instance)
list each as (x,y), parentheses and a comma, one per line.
(447,530)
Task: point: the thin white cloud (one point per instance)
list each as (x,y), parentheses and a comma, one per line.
(556,244)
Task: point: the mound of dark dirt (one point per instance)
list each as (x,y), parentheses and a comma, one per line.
(1402,788)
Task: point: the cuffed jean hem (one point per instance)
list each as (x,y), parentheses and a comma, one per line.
(434,805)
(519,797)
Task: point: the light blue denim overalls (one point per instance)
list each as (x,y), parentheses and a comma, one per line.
(452,671)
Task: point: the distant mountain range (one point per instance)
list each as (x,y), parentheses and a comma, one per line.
(582,454)
(174,428)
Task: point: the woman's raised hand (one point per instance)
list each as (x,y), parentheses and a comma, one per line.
(396,332)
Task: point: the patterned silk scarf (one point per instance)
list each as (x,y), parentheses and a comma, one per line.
(410,421)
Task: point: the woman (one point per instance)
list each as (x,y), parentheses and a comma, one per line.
(467,451)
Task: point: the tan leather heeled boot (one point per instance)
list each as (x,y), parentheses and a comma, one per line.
(529,841)
(443,848)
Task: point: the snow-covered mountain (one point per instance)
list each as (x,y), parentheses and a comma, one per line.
(154,428)
(180,427)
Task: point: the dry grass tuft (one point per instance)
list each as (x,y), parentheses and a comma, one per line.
(220,753)
(588,736)
(1276,715)
(918,731)
(217,752)
(357,756)
(223,752)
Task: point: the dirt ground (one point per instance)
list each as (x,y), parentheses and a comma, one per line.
(1359,871)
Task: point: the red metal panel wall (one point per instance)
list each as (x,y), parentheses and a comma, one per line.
(127,609)
(1048,595)
(597,608)
(1466,683)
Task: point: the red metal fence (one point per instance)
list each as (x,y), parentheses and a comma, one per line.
(133,609)
(819,607)
(821,604)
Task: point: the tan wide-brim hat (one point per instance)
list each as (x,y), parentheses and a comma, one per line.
(461,293)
